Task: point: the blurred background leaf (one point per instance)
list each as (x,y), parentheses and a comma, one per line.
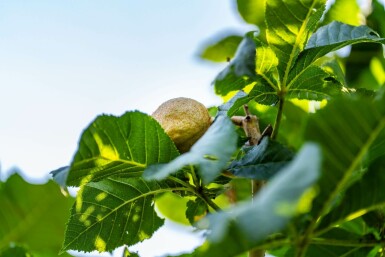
(33,215)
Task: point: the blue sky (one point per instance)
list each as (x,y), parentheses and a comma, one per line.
(64,62)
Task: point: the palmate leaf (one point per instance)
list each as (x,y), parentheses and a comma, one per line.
(345,129)
(33,216)
(289,26)
(114,212)
(247,224)
(262,161)
(122,146)
(210,153)
(332,37)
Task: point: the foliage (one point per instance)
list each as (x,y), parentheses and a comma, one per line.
(323,162)
(33,218)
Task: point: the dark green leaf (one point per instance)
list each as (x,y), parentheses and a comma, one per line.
(262,161)
(363,196)
(345,129)
(14,251)
(243,227)
(210,153)
(317,81)
(195,210)
(331,38)
(222,50)
(114,212)
(33,215)
(127,253)
(252,11)
(122,146)
(289,26)
(241,70)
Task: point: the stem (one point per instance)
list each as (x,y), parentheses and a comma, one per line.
(278,118)
(210,202)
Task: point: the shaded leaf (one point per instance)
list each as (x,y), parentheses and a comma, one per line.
(345,129)
(229,108)
(332,37)
(210,153)
(122,146)
(289,26)
(262,161)
(241,70)
(15,251)
(363,196)
(245,225)
(26,209)
(114,212)
(196,209)
(222,49)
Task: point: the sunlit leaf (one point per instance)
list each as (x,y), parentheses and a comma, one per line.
(210,153)
(289,26)
(262,161)
(252,11)
(222,49)
(26,209)
(114,212)
(332,37)
(346,11)
(122,146)
(322,80)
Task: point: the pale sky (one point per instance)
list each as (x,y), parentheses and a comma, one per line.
(62,63)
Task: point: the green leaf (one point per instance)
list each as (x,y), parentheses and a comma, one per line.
(346,11)
(246,224)
(318,81)
(114,212)
(229,108)
(345,129)
(15,251)
(331,38)
(262,161)
(252,11)
(33,215)
(195,210)
(289,26)
(210,153)
(363,196)
(241,70)
(122,146)
(222,49)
